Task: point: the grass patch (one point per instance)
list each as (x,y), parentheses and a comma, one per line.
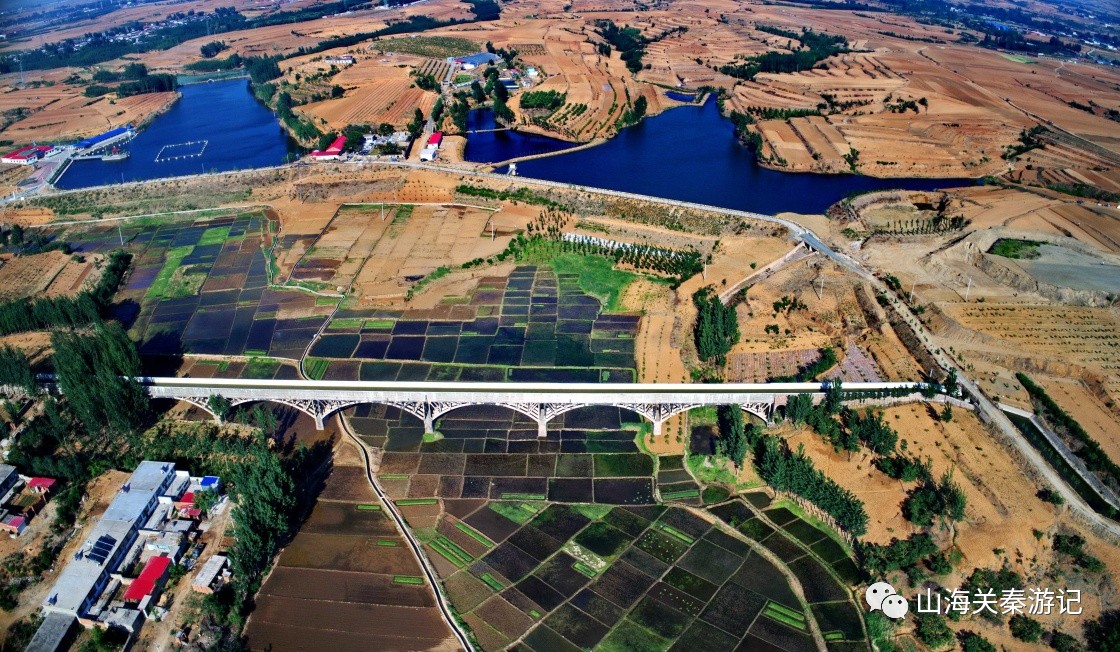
(534,613)
(408,579)
(393,476)
(214,235)
(161,286)
(474,534)
(593,512)
(629,636)
(1018,249)
(585,569)
(523,496)
(493,583)
(386,543)
(369,508)
(379,323)
(404,211)
(785,616)
(316,367)
(675,533)
(430,437)
(450,551)
(834,636)
(680,495)
(1017,58)
(347,323)
(704,415)
(260,367)
(517,512)
(408,502)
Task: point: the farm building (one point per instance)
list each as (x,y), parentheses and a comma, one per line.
(208,574)
(13,524)
(342,60)
(55,633)
(26,155)
(87,575)
(331,153)
(436,139)
(9,478)
(475,60)
(41,486)
(149,580)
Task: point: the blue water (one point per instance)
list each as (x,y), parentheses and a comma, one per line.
(240,134)
(691,154)
(495,146)
(680,97)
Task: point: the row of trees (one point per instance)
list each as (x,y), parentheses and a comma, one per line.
(1090,452)
(793,472)
(717,327)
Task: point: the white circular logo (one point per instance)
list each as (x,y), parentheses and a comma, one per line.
(895,607)
(876,593)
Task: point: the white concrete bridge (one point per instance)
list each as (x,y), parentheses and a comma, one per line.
(541,402)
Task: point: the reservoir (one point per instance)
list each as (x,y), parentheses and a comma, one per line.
(690,153)
(216,126)
(493,146)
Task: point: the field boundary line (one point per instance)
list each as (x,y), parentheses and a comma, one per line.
(425,565)
(121,218)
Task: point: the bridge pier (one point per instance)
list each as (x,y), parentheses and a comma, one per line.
(542,422)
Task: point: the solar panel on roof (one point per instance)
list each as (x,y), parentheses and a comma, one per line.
(101,548)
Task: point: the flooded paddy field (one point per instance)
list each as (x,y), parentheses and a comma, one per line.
(560,542)
(571,577)
(823,567)
(201,286)
(533,325)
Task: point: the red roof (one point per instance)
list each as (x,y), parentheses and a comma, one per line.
(436,138)
(27,151)
(192,512)
(188,498)
(145,582)
(13,522)
(334,150)
(41,483)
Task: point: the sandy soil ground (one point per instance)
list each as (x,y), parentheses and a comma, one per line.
(51,274)
(1002,513)
(62,112)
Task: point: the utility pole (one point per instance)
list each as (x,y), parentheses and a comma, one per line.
(120,233)
(968,289)
(913,285)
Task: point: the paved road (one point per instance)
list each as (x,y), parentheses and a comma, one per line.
(402,526)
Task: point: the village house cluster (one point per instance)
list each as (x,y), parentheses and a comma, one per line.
(116,577)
